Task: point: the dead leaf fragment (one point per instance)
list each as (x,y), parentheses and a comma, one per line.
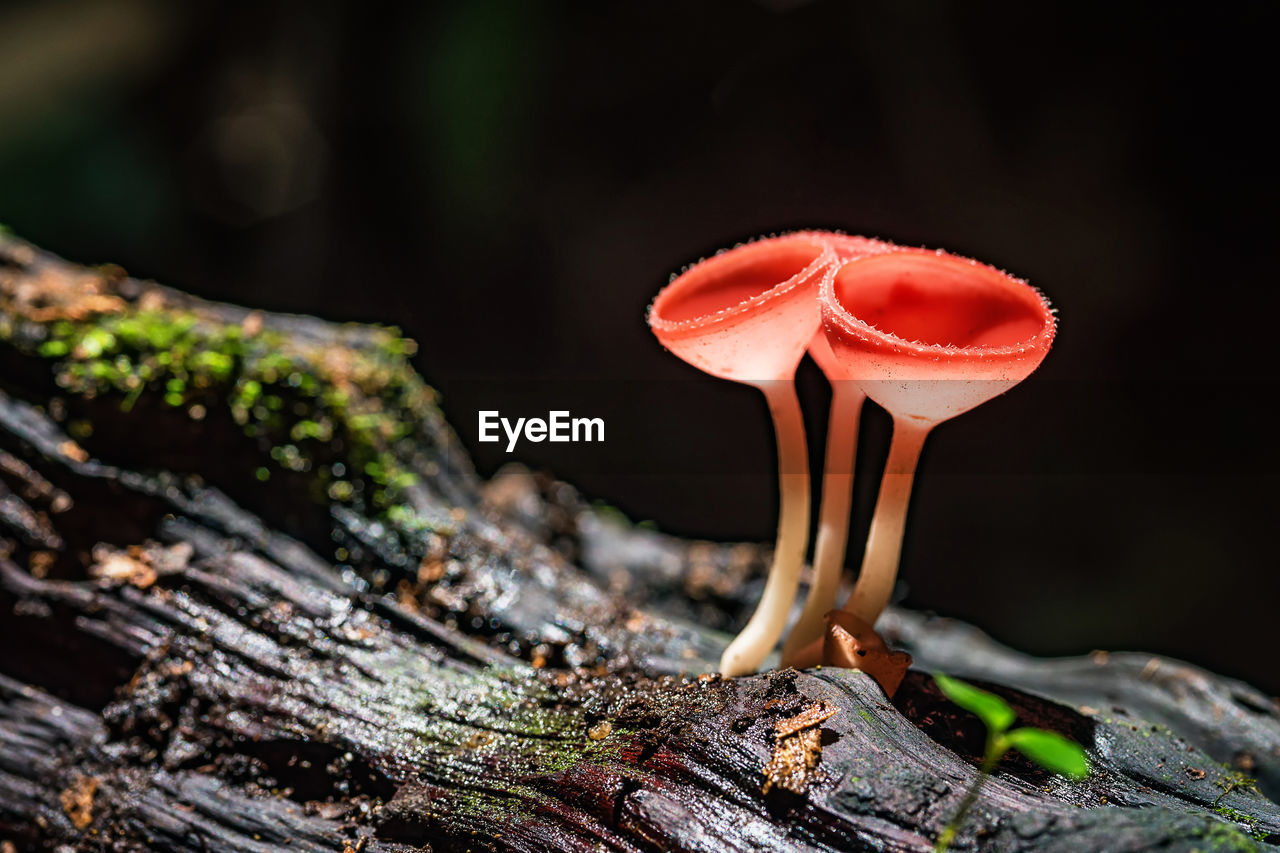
(797,750)
(812,716)
(77,800)
(793,762)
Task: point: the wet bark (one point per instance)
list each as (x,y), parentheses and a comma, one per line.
(198,657)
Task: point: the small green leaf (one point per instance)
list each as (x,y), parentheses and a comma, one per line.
(1051,751)
(990,708)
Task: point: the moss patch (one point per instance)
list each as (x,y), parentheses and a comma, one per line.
(343,415)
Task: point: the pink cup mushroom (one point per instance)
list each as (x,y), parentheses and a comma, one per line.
(748,314)
(928,336)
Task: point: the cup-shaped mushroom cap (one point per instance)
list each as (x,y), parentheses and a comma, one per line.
(848,247)
(749,313)
(929,335)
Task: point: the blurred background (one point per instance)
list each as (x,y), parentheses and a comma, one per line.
(511,183)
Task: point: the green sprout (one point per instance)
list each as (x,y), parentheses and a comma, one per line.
(1050,750)
(1235,781)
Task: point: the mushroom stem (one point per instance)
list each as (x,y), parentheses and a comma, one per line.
(833,517)
(749,649)
(884,543)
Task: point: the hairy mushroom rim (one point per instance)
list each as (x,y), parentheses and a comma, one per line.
(736,282)
(937,304)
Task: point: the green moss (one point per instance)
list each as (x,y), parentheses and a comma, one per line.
(54,349)
(1249,822)
(1234,780)
(408,519)
(1221,837)
(304,404)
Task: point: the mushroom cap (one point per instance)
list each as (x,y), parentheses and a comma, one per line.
(929,335)
(748,313)
(848,247)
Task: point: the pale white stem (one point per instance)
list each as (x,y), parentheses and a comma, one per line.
(833,518)
(749,649)
(884,544)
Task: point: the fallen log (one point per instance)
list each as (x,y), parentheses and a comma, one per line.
(253,597)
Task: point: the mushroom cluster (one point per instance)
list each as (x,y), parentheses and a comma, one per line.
(925,334)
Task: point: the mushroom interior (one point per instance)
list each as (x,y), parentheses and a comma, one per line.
(728,280)
(940,300)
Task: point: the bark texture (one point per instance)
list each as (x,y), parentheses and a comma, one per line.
(253,597)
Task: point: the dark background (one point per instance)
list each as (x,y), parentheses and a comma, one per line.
(512,182)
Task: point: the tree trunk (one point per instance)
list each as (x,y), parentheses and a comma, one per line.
(253,597)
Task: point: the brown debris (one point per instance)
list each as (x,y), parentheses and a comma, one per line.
(430,570)
(406,595)
(82,308)
(73,451)
(812,716)
(853,644)
(413,595)
(178,669)
(140,565)
(478,740)
(40,562)
(797,749)
(55,292)
(77,800)
(119,567)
